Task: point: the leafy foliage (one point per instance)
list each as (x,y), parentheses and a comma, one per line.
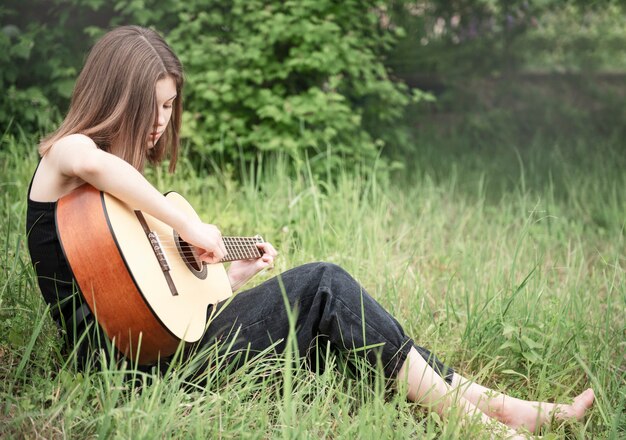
(286,76)
(262,75)
(325,78)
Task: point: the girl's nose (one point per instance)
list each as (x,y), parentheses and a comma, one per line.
(160,119)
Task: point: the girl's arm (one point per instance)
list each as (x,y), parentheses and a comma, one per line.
(77,156)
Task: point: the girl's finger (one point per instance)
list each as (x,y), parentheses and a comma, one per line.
(268,249)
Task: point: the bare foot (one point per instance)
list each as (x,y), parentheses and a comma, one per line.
(576,410)
(533,415)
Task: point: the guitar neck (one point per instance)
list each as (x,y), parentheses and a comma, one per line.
(242,248)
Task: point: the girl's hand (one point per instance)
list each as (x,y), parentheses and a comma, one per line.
(207,239)
(240,272)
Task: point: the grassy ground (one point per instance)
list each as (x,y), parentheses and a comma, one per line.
(509,265)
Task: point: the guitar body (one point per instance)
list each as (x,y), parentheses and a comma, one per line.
(145,291)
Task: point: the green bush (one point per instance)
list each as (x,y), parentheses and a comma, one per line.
(33,81)
(262,76)
(286,76)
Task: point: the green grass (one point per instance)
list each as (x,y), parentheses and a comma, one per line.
(510,265)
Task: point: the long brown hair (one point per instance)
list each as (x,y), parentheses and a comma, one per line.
(114,100)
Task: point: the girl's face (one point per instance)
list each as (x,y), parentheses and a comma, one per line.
(165,95)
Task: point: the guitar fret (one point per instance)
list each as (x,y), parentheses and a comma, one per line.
(246,251)
(241,248)
(236,250)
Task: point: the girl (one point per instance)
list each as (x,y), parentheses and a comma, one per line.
(126,110)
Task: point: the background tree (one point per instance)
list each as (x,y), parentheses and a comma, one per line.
(263,76)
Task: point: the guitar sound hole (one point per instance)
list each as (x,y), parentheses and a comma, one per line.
(188,255)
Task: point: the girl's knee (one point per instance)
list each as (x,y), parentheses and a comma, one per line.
(318,271)
(313,278)
(331,269)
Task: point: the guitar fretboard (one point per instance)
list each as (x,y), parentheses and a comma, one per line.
(242,248)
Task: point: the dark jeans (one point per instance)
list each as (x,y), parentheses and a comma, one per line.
(329,307)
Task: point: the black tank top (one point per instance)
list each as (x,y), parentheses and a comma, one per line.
(54,276)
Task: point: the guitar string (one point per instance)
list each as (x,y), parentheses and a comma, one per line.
(237,247)
(229,249)
(170,244)
(231,255)
(245,241)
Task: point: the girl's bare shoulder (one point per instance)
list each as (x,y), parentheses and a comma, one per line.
(72,141)
(59,169)
(69,152)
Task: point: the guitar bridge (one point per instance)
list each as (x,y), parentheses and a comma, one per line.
(158,251)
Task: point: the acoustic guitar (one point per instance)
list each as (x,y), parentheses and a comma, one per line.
(146,286)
